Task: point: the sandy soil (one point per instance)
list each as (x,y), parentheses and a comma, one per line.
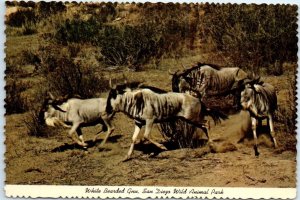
(228,162)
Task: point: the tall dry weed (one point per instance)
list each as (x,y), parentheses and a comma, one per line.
(180,134)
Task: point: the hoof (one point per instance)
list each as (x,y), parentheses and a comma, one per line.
(210,142)
(83,144)
(126,158)
(163,148)
(141,141)
(256,151)
(102,144)
(94,139)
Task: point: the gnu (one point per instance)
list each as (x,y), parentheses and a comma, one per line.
(76,113)
(260,100)
(208,80)
(149,105)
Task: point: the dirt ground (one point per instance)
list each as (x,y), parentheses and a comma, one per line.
(227,163)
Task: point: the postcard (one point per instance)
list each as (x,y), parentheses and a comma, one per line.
(150,100)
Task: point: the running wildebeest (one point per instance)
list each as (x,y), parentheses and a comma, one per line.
(260,100)
(147,107)
(75,113)
(209,80)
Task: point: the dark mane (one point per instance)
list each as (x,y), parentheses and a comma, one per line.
(131,85)
(198,66)
(154,89)
(217,67)
(134,84)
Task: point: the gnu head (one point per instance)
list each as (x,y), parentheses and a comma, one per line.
(249,91)
(246,95)
(180,83)
(175,81)
(43,110)
(49,106)
(113,95)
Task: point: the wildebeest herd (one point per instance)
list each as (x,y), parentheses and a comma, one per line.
(148,105)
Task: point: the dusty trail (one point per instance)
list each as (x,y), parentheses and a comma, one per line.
(54,160)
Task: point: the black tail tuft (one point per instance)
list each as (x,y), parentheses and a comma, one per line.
(215,114)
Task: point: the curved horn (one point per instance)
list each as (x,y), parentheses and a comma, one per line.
(110,85)
(56,102)
(125,79)
(51,95)
(62,99)
(173,73)
(58,108)
(255,78)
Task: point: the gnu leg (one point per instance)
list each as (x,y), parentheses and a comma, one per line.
(72,134)
(207,131)
(149,124)
(253,121)
(79,133)
(270,122)
(137,129)
(110,129)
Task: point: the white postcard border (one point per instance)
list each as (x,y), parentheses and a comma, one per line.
(58,191)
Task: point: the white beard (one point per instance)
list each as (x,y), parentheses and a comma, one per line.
(54,121)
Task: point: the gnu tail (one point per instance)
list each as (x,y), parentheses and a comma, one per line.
(215,114)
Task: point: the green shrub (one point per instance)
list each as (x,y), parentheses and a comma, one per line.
(44,9)
(29,57)
(21,17)
(29,14)
(14,102)
(287,112)
(252,35)
(130,45)
(66,76)
(78,31)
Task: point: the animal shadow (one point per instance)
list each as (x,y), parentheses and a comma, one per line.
(90,144)
(112,139)
(151,149)
(260,130)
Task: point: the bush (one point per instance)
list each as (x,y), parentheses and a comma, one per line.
(177,25)
(65,76)
(78,31)
(14,102)
(34,127)
(29,57)
(28,28)
(252,35)
(44,9)
(287,112)
(20,17)
(28,15)
(130,45)
(180,134)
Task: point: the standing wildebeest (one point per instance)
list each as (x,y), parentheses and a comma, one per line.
(147,107)
(260,100)
(77,113)
(208,80)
